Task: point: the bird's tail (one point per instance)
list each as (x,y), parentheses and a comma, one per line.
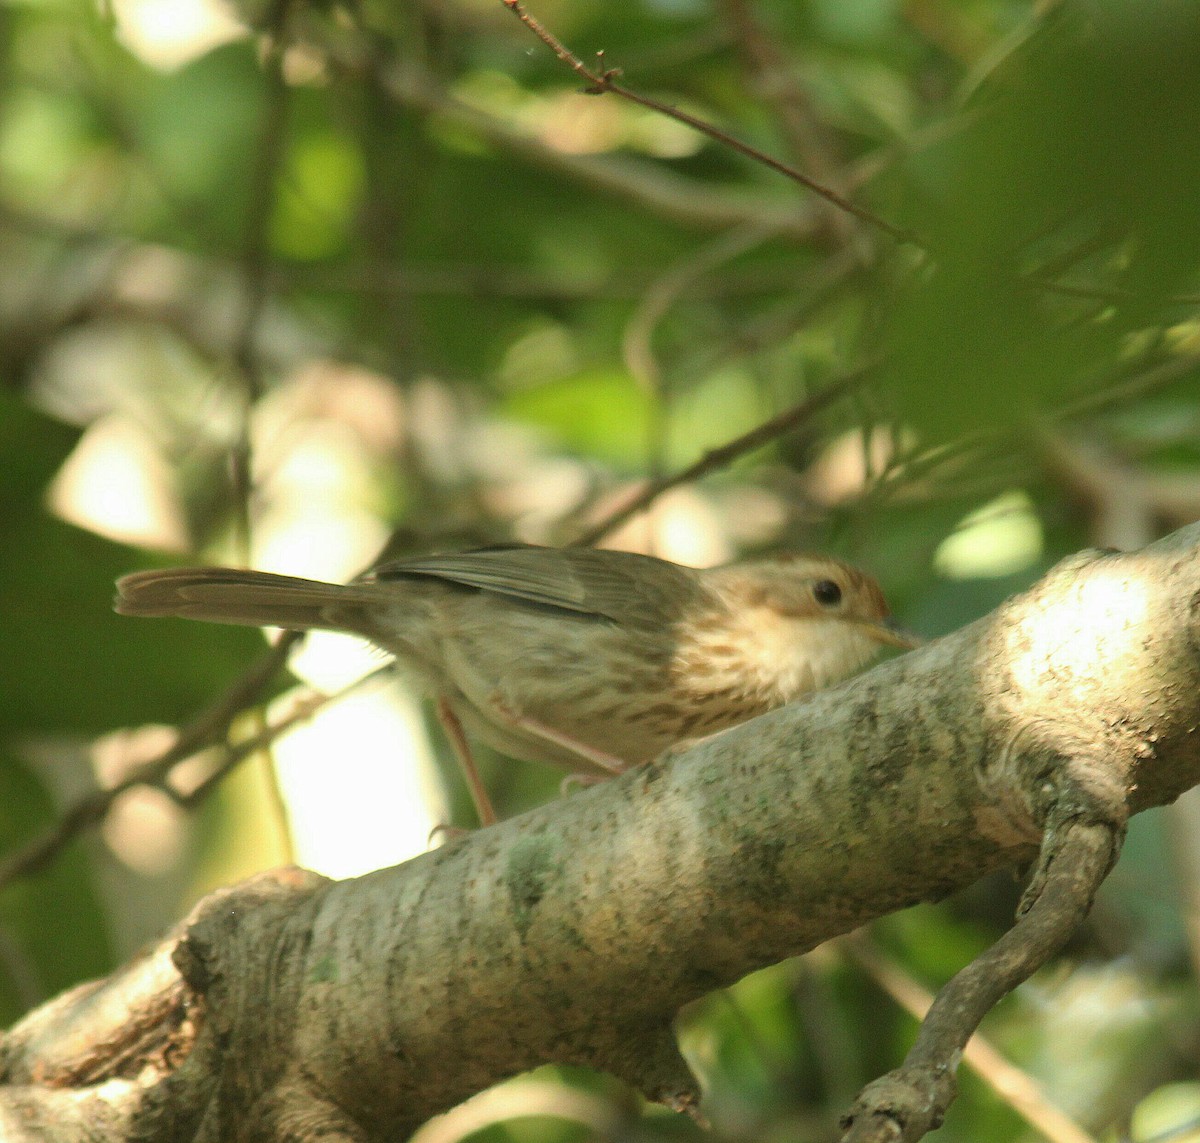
(253,598)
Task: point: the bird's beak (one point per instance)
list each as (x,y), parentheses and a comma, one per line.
(893,634)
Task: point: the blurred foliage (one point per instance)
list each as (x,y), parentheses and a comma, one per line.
(349,267)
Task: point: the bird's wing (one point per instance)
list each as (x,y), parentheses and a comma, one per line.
(621,586)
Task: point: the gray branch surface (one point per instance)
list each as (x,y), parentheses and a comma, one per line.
(293,1008)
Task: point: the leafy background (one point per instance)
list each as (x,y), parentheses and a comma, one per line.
(281,280)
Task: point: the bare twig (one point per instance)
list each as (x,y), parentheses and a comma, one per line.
(1121,389)
(93,808)
(651,188)
(1016,1087)
(304,706)
(718,458)
(206,729)
(604,80)
(909,1102)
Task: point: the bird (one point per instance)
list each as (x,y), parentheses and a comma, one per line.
(592,660)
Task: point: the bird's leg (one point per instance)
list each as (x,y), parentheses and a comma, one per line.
(599,758)
(466,760)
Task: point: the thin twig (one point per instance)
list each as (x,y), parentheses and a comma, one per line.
(1119,390)
(206,729)
(604,80)
(651,187)
(718,458)
(304,706)
(1016,1087)
(907,1103)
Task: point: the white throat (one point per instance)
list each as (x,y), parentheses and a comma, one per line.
(778,659)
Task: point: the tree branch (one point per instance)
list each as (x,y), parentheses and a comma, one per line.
(355,1010)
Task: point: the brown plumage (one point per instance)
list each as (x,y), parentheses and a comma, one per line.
(590,660)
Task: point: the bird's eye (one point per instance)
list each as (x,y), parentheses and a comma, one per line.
(827,593)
